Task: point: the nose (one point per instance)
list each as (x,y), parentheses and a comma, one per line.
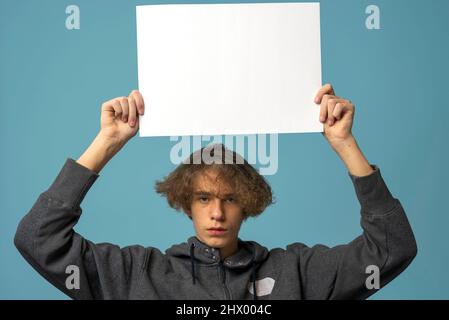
(217,212)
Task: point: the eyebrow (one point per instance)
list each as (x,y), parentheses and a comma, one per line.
(205,193)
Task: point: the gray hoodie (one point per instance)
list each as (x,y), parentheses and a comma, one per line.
(192,270)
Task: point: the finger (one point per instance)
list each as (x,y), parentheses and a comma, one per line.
(139,101)
(107,106)
(340,108)
(132,111)
(330,111)
(323,107)
(331,105)
(125,107)
(117,108)
(326,89)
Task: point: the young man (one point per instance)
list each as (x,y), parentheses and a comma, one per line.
(215,264)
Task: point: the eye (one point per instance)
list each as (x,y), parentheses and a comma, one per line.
(230,200)
(203,199)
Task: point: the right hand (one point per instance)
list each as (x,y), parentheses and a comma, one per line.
(120,118)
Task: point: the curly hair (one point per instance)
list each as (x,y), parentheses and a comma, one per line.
(251,190)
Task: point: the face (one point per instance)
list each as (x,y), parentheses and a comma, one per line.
(216,214)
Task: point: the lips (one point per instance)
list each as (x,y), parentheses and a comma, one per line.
(216,231)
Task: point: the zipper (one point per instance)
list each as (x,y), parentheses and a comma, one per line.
(223,280)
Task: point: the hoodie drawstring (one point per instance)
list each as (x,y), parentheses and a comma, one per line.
(192,261)
(253,274)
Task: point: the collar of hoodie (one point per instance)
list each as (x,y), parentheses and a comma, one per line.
(248,255)
(241,259)
(248,252)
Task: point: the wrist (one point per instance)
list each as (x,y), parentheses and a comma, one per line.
(343,145)
(110,144)
(353,158)
(98,154)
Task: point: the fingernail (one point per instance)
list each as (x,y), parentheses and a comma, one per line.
(321,119)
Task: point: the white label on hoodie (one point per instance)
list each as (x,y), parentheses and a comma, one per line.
(263,286)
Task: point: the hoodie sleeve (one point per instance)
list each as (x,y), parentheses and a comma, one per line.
(387,243)
(46,239)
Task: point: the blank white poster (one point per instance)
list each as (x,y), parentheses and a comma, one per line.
(213,69)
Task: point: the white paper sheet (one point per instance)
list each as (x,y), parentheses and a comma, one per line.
(213,69)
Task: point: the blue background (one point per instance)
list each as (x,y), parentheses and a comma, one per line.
(53,81)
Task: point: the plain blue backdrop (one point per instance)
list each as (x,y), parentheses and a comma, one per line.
(53,81)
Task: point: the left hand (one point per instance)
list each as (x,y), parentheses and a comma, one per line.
(337,115)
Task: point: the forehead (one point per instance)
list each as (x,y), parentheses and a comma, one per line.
(209,180)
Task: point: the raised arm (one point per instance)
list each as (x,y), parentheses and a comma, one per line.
(387,244)
(46,238)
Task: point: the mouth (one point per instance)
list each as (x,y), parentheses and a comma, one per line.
(216,231)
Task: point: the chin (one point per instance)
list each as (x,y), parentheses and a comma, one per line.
(216,242)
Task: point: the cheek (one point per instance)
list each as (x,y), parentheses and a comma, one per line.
(197,214)
(237,219)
